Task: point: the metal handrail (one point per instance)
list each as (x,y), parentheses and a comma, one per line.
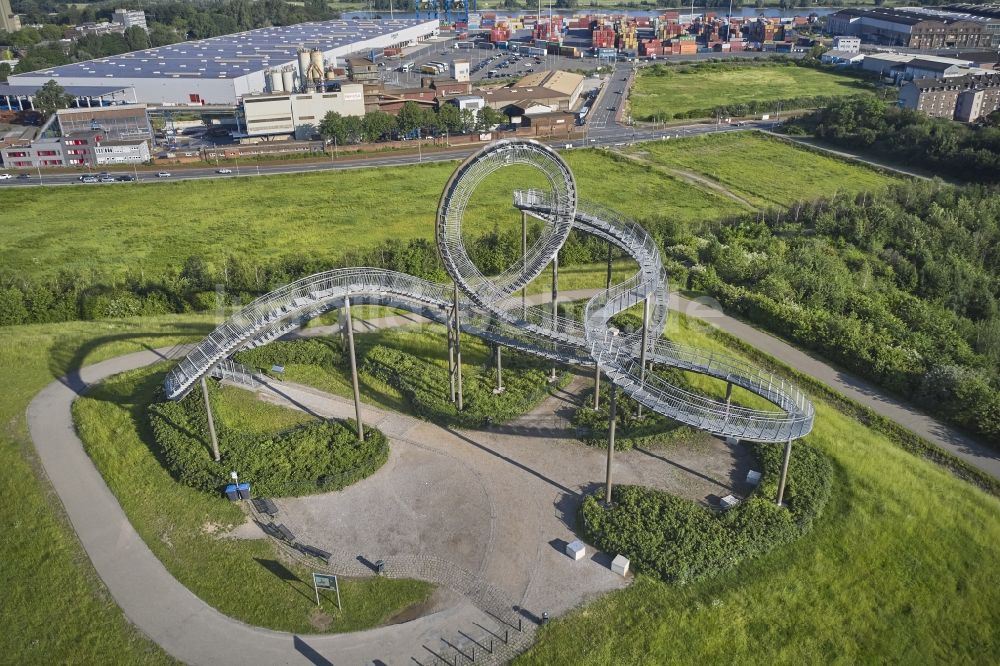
(488,312)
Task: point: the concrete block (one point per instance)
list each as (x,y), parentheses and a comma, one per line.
(753,477)
(728,502)
(576,550)
(619,565)
(732,441)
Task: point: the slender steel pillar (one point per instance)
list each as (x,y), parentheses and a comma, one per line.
(609,265)
(211,420)
(642,352)
(499,388)
(354,369)
(611,442)
(555,302)
(451,355)
(784,472)
(597,388)
(458,351)
(524,263)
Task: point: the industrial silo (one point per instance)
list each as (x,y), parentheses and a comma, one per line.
(288,79)
(303,56)
(274,78)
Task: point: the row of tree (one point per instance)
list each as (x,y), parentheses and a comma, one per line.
(413,119)
(945,147)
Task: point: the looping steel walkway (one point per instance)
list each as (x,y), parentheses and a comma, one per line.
(489,311)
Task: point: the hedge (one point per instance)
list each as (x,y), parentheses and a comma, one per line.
(424,385)
(681,542)
(313,457)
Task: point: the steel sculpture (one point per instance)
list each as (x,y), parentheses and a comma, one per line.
(488,307)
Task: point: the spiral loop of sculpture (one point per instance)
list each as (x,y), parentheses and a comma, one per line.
(489,312)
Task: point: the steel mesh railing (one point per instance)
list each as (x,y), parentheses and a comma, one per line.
(488,311)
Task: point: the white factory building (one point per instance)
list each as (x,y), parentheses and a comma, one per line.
(222,70)
(298,114)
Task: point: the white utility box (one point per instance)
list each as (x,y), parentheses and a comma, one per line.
(753,477)
(728,502)
(576,550)
(619,565)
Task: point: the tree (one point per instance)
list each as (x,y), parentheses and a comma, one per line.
(489,118)
(136,38)
(161,35)
(5,71)
(52,96)
(376,125)
(333,129)
(411,118)
(449,118)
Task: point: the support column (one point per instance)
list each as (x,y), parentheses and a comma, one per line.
(609,265)
(784,472)
(354,369)
(524,263)
(597,388)
(458,351)
(555,303)
(451,355)
(499,388)
(211,421)
(642,352)
(611,443)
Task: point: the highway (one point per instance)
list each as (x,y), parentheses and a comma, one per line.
(613,136)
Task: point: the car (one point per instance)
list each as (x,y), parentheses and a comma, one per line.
(24,176)
(89,179)
(5,176)
(107,179)
(223,171)
(125,179)
(163,174)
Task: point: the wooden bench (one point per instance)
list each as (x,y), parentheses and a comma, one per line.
(265,506)
(318,553)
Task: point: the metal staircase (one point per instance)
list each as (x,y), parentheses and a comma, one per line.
(488,311)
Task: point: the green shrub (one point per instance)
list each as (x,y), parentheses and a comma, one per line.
(424,385)
(325,353)
(680,541)
(316,456)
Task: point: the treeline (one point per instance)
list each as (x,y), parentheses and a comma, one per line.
(901,288)
(945,147)
(411,121)
(71,295)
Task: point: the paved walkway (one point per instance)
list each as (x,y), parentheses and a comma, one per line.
(160,606)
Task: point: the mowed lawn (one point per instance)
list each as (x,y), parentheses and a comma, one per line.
(663,93)
(902,567)
(147,229)
(764,170)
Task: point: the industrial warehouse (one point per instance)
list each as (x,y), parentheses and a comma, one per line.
(221,70)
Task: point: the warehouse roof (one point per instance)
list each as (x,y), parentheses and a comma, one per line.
(76,91)
(231,56)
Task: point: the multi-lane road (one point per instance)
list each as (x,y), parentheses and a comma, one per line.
(602,130)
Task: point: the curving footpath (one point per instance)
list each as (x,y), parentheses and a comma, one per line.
(156,602)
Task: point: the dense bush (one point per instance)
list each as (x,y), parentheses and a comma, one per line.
(325,353)
(680,541)
(425,386)
(901,287)
(316,456)
(946,148)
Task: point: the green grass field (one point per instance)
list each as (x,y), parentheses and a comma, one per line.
(680,90)
(901,568)
(182,525)
(762,170)
(157,226)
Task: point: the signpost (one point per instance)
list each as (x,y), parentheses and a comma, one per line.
(326,582)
